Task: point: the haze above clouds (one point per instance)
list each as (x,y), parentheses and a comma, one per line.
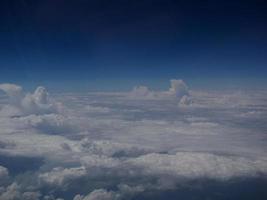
(129,145)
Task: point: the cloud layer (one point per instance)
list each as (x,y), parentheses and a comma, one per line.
(138,145)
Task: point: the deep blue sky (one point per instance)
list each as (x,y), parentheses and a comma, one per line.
(115,44)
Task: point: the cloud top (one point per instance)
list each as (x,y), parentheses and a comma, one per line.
(11,89)
(113,146)
(178,88)
(37,102)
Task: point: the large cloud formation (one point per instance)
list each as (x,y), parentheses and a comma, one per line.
(24,104)
(135,145)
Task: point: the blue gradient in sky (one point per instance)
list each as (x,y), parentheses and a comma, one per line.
(114,45)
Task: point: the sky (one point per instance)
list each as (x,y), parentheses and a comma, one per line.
(114,45)
(133,99)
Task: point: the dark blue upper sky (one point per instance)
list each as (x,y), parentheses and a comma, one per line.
(119,43)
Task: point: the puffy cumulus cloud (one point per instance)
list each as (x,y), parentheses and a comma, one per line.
(37,102)
(168,169)
(11,89)
(199,165)
(11,192)
(61,176)
(16,192)
(109,145)
(96,162)
(178,88)
(30,196)
(124,192)
(52,123)
(99,194)
(15,95)
(111,149)
(185,100)
(34,111)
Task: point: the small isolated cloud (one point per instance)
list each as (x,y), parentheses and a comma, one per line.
(178,88)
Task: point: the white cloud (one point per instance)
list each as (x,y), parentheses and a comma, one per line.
(142,92)
(51,123)
(11,193)
(3,174)
(108,148)
(100,162)
(38,102)
(15,192)
(124,192)
(60,176)
(178,88)
(109,145)
(185,101)
(199,165)
(35,103)
(11,90)
(99,194)
(30,196)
